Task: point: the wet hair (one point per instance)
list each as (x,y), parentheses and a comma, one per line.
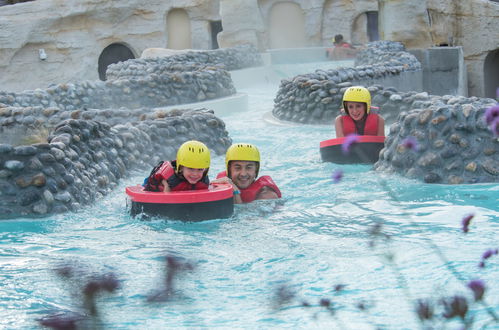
(338,38)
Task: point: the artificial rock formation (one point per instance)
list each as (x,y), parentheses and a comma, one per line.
(454,143)
(67,145)
(83,160)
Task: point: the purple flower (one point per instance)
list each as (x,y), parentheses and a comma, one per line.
(62,320)
(349,141)
(284,295)
(489,253)
(478,288)
(339,287)
(494,127)
(337,176)
(424,309)
(325,302)
(455,306)
(466,222)
(491,114)
(410,143)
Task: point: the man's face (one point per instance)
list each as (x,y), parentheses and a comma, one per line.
(242,173)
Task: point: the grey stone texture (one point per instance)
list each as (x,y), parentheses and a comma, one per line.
(70,144)
(455,145)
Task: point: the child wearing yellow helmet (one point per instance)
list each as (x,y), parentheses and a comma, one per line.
(242,163)
(358,118)
(188,172)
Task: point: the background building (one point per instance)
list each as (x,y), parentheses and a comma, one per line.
(53,41)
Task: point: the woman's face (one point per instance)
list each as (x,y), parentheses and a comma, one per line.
(356,110)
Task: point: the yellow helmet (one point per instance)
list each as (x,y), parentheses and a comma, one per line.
(357,94)
(193,154)
(243,152)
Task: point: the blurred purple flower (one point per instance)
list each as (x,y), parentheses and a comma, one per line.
(61,321)
(106,282)
(494,127)
(349,141)
(489,253)
(491,114)
(478,288)
(339,287)
(325,302)
(466,222)
(284,295)
(492,119)
(363,305)
(337,176)
(424,309)
(481,264)
(455,306)
(410,143)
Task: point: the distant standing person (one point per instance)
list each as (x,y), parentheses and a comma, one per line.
(358,118)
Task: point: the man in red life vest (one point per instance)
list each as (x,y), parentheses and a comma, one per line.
(358,119)
(242,163)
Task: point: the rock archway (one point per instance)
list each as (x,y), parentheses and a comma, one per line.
(287,26)
(178,27)
(491,74)
(113,53)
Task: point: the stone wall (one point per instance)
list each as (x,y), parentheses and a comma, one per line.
(179,79)
(234,58)
(82,160)
(453,144)
(99,131)
(316,98)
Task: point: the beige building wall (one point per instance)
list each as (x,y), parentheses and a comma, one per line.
(178,27)
(73,35)
(287,26)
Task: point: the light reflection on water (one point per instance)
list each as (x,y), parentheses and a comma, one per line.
(314,238)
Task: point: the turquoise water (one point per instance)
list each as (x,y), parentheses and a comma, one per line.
(312,240)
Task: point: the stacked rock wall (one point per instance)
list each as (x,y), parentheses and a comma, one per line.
(316,97)
(101,130)
(238,57)
(84,159)
(179,79)
(452,143)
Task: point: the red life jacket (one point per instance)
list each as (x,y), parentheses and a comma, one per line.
(176,183)
(370,126)
(249,194)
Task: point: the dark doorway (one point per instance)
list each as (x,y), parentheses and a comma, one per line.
(491,74)
(216,28)
(372,25)
(113,53)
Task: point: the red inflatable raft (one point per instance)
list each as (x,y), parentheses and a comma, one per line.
(364,151)
(217,202)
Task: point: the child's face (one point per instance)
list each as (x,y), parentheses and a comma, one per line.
(192,175)
(356,110)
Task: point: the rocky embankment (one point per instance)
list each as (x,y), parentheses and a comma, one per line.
(455,145)
(66,145)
